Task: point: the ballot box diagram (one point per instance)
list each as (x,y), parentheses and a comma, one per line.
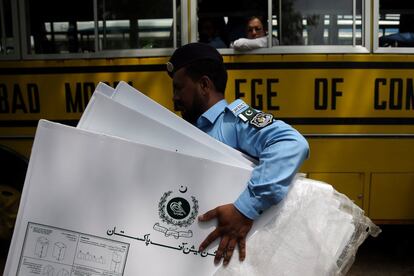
(54,251)
(42,245)
(59,250)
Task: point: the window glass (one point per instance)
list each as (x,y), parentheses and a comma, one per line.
(318,22)
(55,26)
(396,23)
(293,22)
(220,23)
(7,38)
(130,24)
(59,27)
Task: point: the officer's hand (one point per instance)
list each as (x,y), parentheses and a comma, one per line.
(232,228)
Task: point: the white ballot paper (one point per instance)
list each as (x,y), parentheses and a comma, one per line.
(104,115)
(98,205)
(132,98)
(104,89)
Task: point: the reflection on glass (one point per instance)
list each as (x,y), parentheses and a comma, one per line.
(7,39)
(69,26)
(136,24)
(294,22)
(52,26)
(221,23)
(396,23)
(318,22)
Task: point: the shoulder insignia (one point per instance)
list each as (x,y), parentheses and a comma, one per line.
(261,120)
(248,114)
(237,107)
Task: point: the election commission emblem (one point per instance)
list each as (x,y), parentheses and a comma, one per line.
(176,210)
(261,119)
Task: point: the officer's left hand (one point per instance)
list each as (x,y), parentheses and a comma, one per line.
(232,228)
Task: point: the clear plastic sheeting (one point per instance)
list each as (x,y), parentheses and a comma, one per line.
(314,231)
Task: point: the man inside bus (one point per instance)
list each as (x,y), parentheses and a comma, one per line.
(256,36)
(199,81)
(211,31)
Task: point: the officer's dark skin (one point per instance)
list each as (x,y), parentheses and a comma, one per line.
(193,98)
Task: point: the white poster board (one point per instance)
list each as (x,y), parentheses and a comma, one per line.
(105,89)
(105,206)
(132,98)
(104,115)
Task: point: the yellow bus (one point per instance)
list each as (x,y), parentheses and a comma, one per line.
(341,72)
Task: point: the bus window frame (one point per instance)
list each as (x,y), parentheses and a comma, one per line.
(16,35)
(385,50)
(120,53)
(300,49)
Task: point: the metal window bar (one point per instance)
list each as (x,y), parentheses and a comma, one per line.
(95,19)
(104,43)
(362,23)
(354,23)
(269,23)
(175,23)
(3,29)
(279,22)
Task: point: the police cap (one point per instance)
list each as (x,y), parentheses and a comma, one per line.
(190,53)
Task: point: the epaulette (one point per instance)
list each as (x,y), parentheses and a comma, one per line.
(247,114)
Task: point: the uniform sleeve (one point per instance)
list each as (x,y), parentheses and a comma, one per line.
(280,150)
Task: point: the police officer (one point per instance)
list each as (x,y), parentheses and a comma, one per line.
(199,81)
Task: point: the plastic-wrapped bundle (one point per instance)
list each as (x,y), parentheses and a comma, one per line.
(314,231)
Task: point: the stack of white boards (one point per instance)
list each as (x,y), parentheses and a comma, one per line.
(120,195)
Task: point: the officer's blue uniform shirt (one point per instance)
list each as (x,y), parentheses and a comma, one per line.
(279,148)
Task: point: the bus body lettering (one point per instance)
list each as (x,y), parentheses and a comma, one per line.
(25,101)
(4,104)
(394,95)
(271,94)
(256,95)
(259,97)
(377,104)
(73,104)
(409,98)
(321,96)
(237,83)
(17,100)
(33,97)
(77,99)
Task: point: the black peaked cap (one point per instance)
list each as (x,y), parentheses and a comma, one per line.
(189,53)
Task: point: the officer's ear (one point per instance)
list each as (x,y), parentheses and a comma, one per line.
(205,83)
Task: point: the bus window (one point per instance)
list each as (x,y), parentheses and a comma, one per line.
(291,23)
(228,18)
(7,33)
(136,24)
(396,23)
(321,22)
(91,26)
(54,27)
